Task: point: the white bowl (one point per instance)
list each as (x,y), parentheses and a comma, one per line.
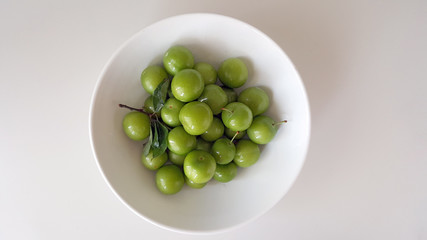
(218,206)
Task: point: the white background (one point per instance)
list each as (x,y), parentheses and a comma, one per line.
(364,64)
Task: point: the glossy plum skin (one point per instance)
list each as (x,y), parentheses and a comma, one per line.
(256,99)
(231,94)
(203,145)
(207,71)
(230,134)
(215,130)
(237,116)
(170,112)
(148,104)
(215,97)
(136,125)
(233,72)
(151,77)
(225,173)
(177,58)
(180,142)
(223,150)
(154,163)
(176,158)
(199,166)
(169,179)
(196,117)
(193,184)
(262,130)
(187,85)
(247,153)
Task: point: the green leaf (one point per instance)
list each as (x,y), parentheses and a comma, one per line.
(155,143)
(161,144)
(160,94)
(164,132)
(147,145)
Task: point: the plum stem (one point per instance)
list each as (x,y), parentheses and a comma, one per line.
(134,109)
(228,110)
(278,123)
(235,135)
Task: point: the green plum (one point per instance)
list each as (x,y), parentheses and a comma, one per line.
(223,150)
(207,71)
(177,58)
(215,97)
(151,77)
(230,134)
(262,130)
(170,112)
(256,99)
(199,166)
(231,94)
(148,104)
(193,184)
(237,116)
(154,163)
(180,142)
(176,158)
(233,72)
(225,173)
(196,117)
(169,179)
(187,85)
(215,130)
(203,145)
(247,153)
(136,125)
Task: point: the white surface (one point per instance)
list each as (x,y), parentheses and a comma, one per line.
(217,207)
(363,64)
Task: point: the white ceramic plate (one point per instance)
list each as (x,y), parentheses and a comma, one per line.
(217,207)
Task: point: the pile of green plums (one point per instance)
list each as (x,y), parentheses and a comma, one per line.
(213,130)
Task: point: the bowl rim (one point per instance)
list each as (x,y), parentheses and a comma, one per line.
(91,123)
